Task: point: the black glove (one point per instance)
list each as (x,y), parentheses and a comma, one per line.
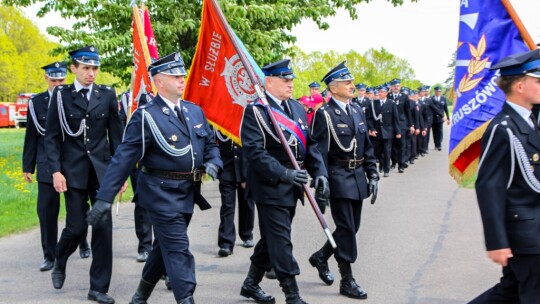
(373,187)
(322,192)
(96,215)
(211,170)
(295,177)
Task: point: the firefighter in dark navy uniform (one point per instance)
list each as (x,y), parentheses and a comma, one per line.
(232,187)
(34,156)
(508,186)
(439,102)
(383,122)
(406,125)
(173,143)
(274,184)
(341,130)
(82,132)
(361,99)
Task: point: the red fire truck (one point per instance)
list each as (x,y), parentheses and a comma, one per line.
(14,114)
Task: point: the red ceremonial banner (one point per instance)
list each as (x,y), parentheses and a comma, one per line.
(218,81)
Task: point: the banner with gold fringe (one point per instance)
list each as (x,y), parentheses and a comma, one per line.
(489,30)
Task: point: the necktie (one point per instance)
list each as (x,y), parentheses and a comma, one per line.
(179,114)
(84,93)
(348,109)
(535,122)
(285,108)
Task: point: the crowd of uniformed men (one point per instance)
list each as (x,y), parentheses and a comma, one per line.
(78,138)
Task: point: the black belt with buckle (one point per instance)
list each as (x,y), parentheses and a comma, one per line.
(194,175)
(347,163)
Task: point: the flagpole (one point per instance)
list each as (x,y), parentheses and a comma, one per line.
(146,54)
(258,87)
(519,24)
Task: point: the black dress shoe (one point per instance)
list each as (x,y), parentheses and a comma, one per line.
(85,253)
(316,260)
(350,289)
(405,165)
(255,292)
(46,265)
(411,162)
(100,297)
(386,174)
(248,244)
(225,252)
(401,170)
(58,276)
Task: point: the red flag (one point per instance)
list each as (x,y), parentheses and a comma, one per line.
(218,81)
(149,34)
(140,80)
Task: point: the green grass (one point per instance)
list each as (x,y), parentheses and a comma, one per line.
(18,198)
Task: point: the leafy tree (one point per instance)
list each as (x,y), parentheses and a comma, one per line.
(264,26)
(23,51)
(373,68)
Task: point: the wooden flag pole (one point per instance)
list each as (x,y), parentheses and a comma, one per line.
(258,87)
(519,24)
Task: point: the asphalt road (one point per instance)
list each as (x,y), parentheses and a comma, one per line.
(420,243)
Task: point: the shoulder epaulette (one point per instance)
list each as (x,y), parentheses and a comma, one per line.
(191,102)
(105,87)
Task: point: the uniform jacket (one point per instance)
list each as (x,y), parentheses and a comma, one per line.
(232,158)
(429,111)
(267,161)
(156,193)
(404,113)
(511,215)
(416,114)
(74,156)
(388,126)
(442,109)
(362,102)
(34,145)
(344,182)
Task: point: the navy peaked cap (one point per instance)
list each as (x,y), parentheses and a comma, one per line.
(56,70)
(527,63)
(86,55)
(172,64)
(281,69)
(338,73)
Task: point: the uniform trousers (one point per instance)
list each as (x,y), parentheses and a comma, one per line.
(230,192)
(346,214)
(76,227)
(383,151)
(48,206)
(274,249)
(413,143)
(170,253)
(520,283)
(437,133)
(425,142)
(398,148)
(143,229)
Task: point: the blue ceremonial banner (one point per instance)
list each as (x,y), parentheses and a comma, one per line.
(487,33)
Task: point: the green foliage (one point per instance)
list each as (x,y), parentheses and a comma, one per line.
(264,26)
(373,68)
(23,51)
(19,198)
